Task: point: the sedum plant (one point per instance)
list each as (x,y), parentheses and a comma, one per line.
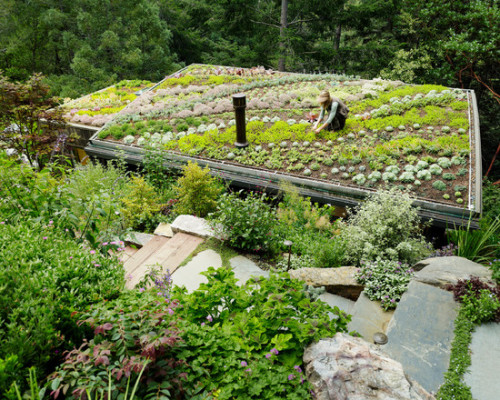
(385,226)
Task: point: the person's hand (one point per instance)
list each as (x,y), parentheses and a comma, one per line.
(317,130)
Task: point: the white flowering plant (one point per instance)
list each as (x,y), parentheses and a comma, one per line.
(386,226)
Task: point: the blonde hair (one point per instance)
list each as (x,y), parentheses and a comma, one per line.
(324,98)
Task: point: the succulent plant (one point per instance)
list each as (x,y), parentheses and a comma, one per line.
(439,185)
(345,175)
(335,171)
(129,139)
(446,196)
(375,176)
(444,162)
(307,172)
(435,169)
(394,169)
(359,179)
(421,164)
(424,174)
(389,176)
(407,177)
(323,175)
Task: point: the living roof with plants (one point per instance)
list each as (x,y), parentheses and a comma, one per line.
(98,108)
(416,137)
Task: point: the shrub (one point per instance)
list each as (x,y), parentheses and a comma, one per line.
(385,226)
(133,334)
(384,281)
(197,191)
(247,224)
(247,342)
(141,206)
(45,276)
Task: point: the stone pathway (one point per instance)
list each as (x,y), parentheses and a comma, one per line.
(484,375)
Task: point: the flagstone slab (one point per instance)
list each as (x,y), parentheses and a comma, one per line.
(245,268)
(368,318)
(421,331)
(484,373)
(190,276)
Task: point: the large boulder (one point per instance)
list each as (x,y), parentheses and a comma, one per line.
(340,281)
(349,368)
(443,271)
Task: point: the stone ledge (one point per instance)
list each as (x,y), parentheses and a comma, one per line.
(443,271)
(192,225)
(340,281)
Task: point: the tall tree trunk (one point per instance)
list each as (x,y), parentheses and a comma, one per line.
(283,26)
(338,33)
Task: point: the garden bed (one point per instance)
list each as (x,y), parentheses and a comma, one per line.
(421,138)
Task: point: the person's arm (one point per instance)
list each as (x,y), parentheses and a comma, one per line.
(321,115)
(333,112)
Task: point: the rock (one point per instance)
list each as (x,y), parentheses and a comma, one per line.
(333,300)
(442,271)
(340,281)
(369,318)
(138,238)
(189,274)
(192,225)
(421,331)
(485,362)
(349,368)
(164,230)
(244,269)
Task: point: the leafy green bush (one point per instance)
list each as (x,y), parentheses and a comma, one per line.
(247,224)
(248,341)
(141,206)
(385,281)
(386,226)
(197,191)
(45,276)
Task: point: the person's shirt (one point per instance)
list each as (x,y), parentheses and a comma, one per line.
(333,111)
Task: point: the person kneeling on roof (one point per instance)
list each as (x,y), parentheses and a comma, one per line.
(336,111)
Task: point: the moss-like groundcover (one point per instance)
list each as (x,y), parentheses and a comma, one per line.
(411,136)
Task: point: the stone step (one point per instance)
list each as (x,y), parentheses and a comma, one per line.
(169,255)
(244,269)
(189,275)
(334,300)
(421,331)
